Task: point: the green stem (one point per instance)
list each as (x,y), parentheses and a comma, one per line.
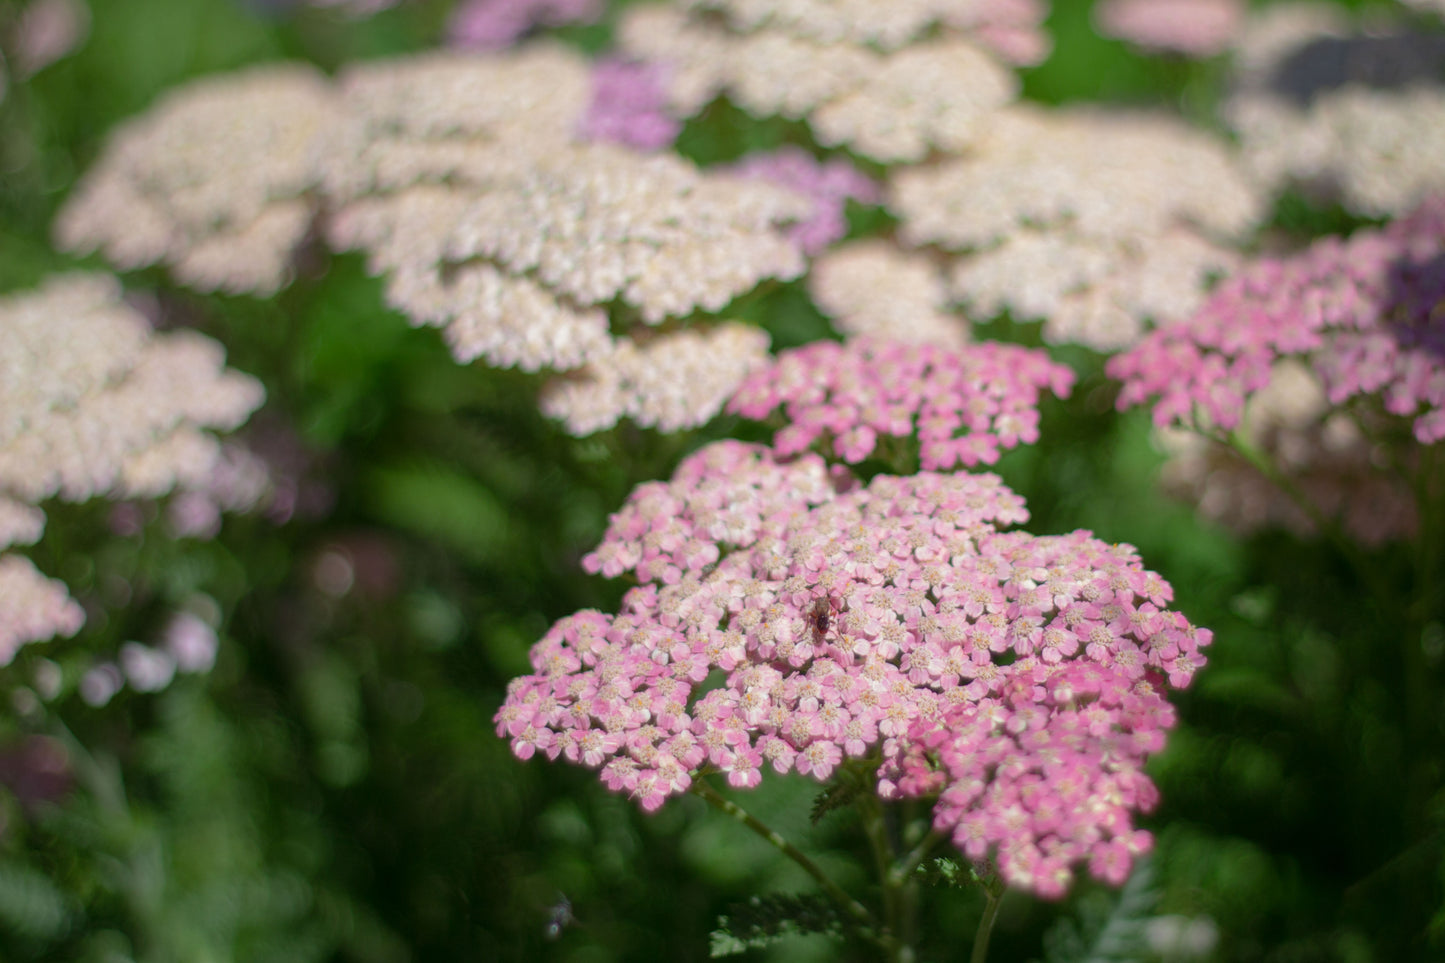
(909,864)
(857,910)
(985,924)
(871,809)
(1381,588)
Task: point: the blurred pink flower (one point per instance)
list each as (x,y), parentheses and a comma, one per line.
(1362,313)
(830,184)
(1194,28)
(497,24)
(629,106)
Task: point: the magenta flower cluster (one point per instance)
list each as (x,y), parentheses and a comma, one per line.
(498,24)
(830,184)
(1016,678)
(629,106)
(1364,313)
(965,404)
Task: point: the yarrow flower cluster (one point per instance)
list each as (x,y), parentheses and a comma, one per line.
(1350,113)
(1096,222)
(95,403)
(893,618)
(212,182)
(1362,313)
(964,404)
(873,287)
(822,62)
(829,184)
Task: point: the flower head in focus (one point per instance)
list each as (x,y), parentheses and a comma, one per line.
(1045,656)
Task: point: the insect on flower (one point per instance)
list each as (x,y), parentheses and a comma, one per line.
(822,617)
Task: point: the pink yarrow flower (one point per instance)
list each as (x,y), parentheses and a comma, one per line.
(1363,313)
(1193,28)
(843,619)
(629,106)
(830,184)
(965,404)
(498,24)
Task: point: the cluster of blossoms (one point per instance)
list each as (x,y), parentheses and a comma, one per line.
(213,182)
(963,403)
(1363,314)
(1096,222)
(1192,28)
(1353,116)
(829,185)
(891,81)
(95,403)
(470,183)
(848,621)
(873,287)
(629,106)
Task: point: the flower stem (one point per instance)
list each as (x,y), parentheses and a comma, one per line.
(985,923)
(857,910)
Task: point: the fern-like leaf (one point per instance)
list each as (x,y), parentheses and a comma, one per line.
(765,920)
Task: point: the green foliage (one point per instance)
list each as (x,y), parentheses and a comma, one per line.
(765,920)
(1108,927)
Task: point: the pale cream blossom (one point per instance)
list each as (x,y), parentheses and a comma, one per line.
(211,181)
(1093,291)
(97,404)
(872,287)
(1097,222)
(1349,113)
(893,105)
(672,381)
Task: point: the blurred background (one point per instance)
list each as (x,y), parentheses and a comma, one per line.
(334,789)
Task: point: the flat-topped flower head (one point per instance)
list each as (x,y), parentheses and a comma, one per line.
(492,221)
(873,287)
(1097,222)
(964,404)
(1351,113)
(95,403)
(1049,654)
(1361,313)
(891,81)
(214,181)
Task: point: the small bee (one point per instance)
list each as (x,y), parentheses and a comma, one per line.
(821,619)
